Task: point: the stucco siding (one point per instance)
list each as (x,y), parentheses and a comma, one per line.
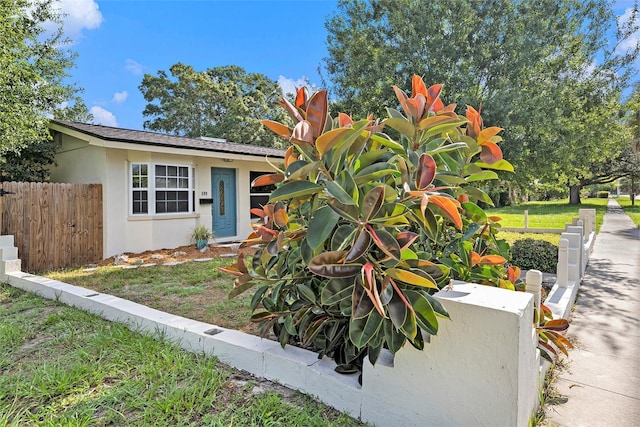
(90,161)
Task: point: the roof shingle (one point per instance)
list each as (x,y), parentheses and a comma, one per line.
(153,138)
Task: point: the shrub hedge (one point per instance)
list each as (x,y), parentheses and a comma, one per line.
(531,254)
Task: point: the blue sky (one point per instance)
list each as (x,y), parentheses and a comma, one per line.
(118,41)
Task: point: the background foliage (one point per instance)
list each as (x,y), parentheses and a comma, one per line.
(544,71)
(34,62)
(222,102)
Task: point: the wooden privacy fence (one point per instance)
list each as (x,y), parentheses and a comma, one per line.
(54,225)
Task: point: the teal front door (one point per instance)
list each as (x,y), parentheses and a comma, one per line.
(223,208)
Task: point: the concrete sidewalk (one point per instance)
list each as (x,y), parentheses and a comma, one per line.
(601,380)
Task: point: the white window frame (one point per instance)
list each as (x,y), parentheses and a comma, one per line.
(151,188)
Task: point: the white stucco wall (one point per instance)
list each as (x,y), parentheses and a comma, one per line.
(87,162)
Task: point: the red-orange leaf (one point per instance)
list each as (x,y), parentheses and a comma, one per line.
(433,93)
(402,98)
(437,106)
(289,157)
(487,133)
(418,86)
(317,111)
(492,260)
(280,216)
(301,97)
(474,258)
(293,111)
(267,179)
(513,273)
(417,105)
(303,132)
(257,212)
(426,171)
(344,120)
(491,153)
(475,122)
(450,208)
(277,128)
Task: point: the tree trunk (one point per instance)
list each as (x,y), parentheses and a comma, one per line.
(632,193)
(574,194)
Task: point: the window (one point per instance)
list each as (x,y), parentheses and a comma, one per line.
(161,189)
(259,195)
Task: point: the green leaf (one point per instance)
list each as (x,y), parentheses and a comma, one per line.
(289,326)
(374,173)
(485,175)
(335,190)
(477,194)
(359,247)
(474,212)
(386,242)
(500,165)
(293,189)
(394,338)
(243,285)
(335,291)
(321,225)
(343,237)
(445,148)
(306,292)
(327,140)
(327,265)
(397,148)
(361,331)
(349,212)
(410,278)
(372,202)
(425,315)
(397,310)
(402,125)
(303,171)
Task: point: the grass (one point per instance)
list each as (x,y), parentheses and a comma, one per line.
(632,211)
(196,290)
(62,366)
(553,214)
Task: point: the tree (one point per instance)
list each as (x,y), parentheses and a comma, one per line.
(32,162)
(631,160)
(224,102)
(521,61)
(34,59)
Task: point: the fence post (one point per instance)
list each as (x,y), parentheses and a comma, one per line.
(579,246)
(573,256)
(563,263)
(526,219)
(533,281)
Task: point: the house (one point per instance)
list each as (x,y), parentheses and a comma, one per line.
(157,188)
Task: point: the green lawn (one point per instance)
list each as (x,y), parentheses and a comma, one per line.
(197,290)
(553,214)
(61,366)
(632,211)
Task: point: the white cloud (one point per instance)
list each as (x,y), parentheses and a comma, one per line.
(289,85)
(133,67)
(120,97)
(103,117)
(78,15)
(629,20)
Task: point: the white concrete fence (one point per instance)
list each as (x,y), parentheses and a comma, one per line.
(574,250)
(482,369)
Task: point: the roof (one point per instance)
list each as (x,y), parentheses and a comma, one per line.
(109,133)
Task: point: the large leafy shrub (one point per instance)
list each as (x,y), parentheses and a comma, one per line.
(533,254)
(363,229)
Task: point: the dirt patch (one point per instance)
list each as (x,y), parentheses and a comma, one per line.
(162,256)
